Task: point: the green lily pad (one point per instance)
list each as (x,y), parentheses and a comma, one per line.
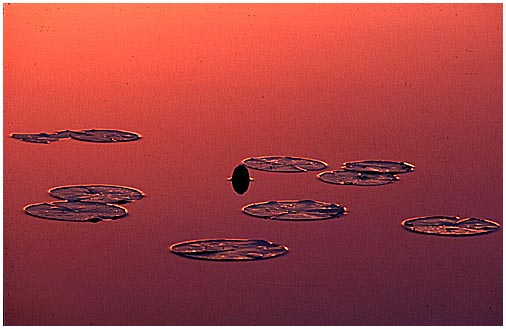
(346,177)
(228,249)
(104,136)
(379,166)
(97,193)
(294,210)
(284,164)
(75,211)
(450,225)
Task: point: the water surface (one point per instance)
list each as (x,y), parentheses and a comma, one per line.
(209,85)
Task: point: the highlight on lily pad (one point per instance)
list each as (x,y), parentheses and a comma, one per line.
(379,166)
(75,211)
(228,249)
(284,164)
(87,135)
(295,210)
(346,177)
(97,193)
(450,225)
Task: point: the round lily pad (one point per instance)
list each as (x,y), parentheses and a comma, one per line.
(104,136)
(379,166)
(228,249)
(75,211)
(42,138)
(450,225)
(284,164)
(345,177)
(296,210)
(97,193)
(240,179)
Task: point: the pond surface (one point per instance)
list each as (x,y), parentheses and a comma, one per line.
(207,86)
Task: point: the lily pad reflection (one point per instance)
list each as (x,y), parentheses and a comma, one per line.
(284,164)
(104,136)
(345,177)
(379,166)
(228,249)
(75,211)
(296,210)
(97,193)
(450,225)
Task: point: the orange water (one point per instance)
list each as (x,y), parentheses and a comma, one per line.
(209,85)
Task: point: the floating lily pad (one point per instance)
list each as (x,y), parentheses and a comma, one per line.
(377,166)
(97,193)
(43,138)
(284,164)
(294,210)
(76,211)
(228,249)
(240,179)
(450,225)
(345,177)
(104,136)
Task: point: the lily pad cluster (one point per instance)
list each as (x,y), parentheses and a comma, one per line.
(85,203)
(366,173)
(450,225)
(87,135)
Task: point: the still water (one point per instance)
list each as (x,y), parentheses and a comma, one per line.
(207,86)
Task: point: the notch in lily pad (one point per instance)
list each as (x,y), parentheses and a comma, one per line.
(346,177)
(295,210)
(228,249)
(75,211)
(379,166)
(97,193)
(285,164)
(450,225)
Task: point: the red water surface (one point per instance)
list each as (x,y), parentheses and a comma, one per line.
(209,85)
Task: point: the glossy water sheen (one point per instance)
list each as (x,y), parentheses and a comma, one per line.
(228,249)
(284,164)
(450,226)
(207,85)
(346,177)
(379,166)
(75,211)
(294,210)
(97,193)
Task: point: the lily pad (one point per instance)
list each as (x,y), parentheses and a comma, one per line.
(294,210)
(284,164)
(379,166)
(345,177)
(228,249)
(97,193)
(104,136)
(42,138)
(450,225)
(240,179)
(76,211)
